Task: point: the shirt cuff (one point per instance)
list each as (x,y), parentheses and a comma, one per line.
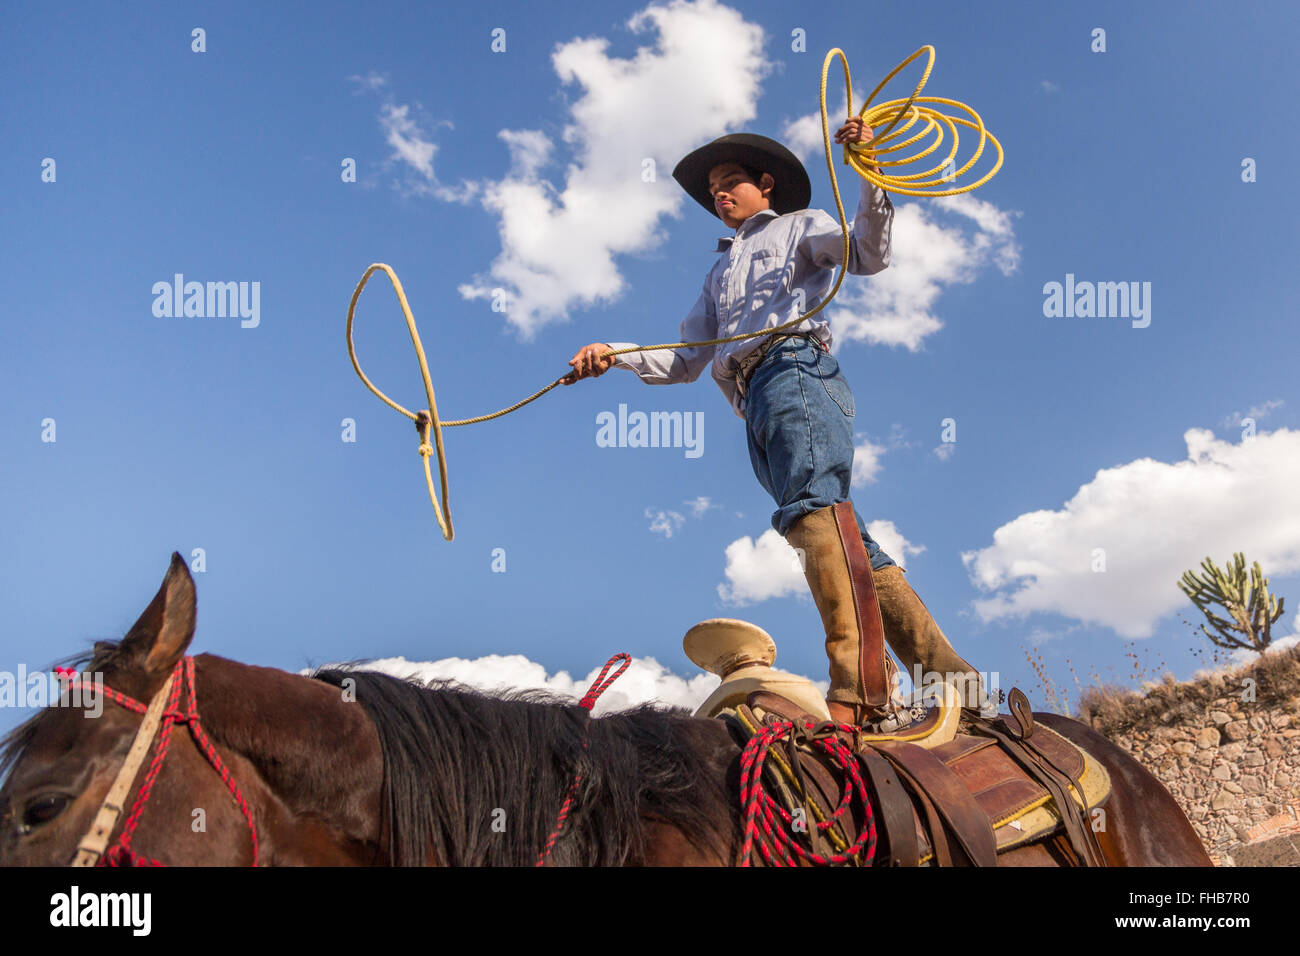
(621,361)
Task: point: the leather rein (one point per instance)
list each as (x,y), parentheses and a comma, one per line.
(160,716)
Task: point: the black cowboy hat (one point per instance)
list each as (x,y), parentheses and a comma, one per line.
(792,193)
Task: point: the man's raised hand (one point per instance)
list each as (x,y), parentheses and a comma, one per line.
(855,131)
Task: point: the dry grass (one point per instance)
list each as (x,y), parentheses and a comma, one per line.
(1112,708)
(1057,700)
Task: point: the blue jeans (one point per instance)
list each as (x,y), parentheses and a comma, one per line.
(799,422)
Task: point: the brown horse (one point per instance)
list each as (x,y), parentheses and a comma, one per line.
(353,768)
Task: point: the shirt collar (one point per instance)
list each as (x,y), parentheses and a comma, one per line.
(749,225)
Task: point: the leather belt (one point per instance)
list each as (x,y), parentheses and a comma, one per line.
(754,359)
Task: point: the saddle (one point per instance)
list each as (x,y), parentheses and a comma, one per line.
(937,796)
(963,801)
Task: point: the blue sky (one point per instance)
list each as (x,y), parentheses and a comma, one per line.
(520,170)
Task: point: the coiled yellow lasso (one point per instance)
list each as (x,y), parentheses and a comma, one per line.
(860,156)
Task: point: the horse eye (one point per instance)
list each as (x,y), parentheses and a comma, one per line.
(44,809)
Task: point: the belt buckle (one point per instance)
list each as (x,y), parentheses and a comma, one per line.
(742,377)
(755,358)
(747,366)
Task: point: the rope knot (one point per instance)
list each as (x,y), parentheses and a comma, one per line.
(423,422)
(806,731)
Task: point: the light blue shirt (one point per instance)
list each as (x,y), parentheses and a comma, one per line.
(754,286)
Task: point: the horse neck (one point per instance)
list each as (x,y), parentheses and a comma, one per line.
(316,754)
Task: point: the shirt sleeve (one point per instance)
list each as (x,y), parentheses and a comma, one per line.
(669,366)
(869,239)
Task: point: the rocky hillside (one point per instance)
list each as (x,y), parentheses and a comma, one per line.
(1228,748)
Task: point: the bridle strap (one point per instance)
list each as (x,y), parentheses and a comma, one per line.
(95,842)
(163,713)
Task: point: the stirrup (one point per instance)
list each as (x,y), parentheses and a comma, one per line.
(895,720)
(928,724)
(896,713)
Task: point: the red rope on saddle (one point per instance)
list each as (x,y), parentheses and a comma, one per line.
(598,687)
(120,853)
(761,810)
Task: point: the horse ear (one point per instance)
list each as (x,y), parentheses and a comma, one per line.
(159,638)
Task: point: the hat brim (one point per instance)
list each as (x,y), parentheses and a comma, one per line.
(793,190)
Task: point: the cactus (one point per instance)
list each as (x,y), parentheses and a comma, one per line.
(1246,599)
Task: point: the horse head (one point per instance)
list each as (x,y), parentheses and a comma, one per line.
(233,782)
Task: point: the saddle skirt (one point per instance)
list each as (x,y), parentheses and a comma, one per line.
(1020,809)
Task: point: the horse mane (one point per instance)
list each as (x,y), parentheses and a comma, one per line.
(480,779)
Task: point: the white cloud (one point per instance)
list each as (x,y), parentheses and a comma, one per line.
(372,82)
(1154,520)
(700,505)
(897,437)
(406,139)
(770,568)
(412,146)
(664,522)
(897,307)
(530,150)
(866,463)
(1259,411)
(758,570)
(945,451)
(803,137)
(1047,86)
(891,540)
(700,79)
(644,680)
(1255,411)
(1039,636)
(1243,656)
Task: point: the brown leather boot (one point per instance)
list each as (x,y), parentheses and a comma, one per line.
(915,637)
(839,575)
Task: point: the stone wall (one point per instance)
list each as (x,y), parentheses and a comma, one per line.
(1227,747)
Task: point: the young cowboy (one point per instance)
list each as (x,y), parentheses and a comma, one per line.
(796,404)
